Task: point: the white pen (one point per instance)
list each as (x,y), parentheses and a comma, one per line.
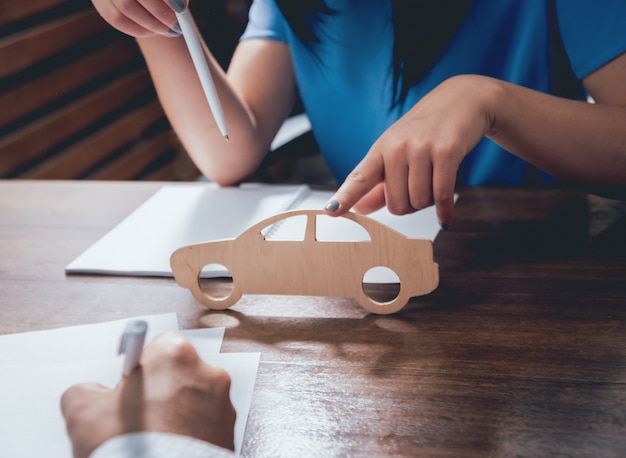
(131,344)
(202,68)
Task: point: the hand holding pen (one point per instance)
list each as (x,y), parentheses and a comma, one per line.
(172,391)
(146,18)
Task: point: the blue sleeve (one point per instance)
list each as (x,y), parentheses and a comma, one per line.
(265,21)
(593,32)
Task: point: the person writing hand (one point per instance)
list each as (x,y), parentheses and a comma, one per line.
(172,391)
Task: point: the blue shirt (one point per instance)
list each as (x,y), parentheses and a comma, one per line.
(346,84)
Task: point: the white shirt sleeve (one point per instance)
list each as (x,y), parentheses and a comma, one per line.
(158,445)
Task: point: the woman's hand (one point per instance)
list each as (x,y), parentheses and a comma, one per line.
(414,163)
(142,18)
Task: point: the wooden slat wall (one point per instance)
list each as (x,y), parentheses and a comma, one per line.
(76,100)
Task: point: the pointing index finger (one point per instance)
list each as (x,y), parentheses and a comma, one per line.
(367,174)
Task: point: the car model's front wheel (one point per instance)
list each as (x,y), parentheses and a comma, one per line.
(218,293)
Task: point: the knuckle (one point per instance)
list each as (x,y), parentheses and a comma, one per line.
(176,349)
(218,380)
(356,177)
(445,152)
(124,6)
(67,400)
(444,199)
(162,10)
(420,202)
(397,208)
(116,18)
(223,380)
(398,147)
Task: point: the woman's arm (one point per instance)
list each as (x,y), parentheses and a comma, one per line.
(573,140)
(256,94)
(415,162)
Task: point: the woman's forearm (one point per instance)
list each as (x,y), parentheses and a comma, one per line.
(572,140)
(182,98)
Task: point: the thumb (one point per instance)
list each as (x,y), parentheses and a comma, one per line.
(78,396)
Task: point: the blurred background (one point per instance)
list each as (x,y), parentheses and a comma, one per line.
(76,99)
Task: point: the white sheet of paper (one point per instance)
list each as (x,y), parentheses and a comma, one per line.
(292,128)
(31,424)
(177,216)
(242,368)
(76,343)
(207,339)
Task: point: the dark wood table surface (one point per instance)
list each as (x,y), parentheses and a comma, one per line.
(521,351)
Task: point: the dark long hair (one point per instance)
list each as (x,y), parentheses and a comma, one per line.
(422,31)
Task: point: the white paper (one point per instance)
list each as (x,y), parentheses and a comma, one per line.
(242,368)
(207,339)
(76,343)
(31,424)
(292,128)
(177,216)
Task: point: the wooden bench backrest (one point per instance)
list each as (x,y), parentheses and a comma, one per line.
(76,99)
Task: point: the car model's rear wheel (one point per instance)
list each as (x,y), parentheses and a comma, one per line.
(383,298)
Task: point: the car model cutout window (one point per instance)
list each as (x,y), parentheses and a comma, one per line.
(290,229)
(329,229)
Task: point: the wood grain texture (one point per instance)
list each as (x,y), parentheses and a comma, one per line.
(34,140)
(36,94)
(72,162)
(520,351)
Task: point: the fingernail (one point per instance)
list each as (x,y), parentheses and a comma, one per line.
(178,5)
(171,33)
(332,205)
(444,226)
(177,28)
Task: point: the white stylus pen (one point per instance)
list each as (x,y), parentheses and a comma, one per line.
(202,68)
(132,344)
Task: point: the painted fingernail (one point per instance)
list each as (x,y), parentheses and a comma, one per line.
(444,226)
(172,33)
(178,5)
(332,205)
(177,28)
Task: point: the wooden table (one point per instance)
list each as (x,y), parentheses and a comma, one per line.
(521,351)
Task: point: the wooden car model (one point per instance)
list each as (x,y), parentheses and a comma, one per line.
(261,265)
